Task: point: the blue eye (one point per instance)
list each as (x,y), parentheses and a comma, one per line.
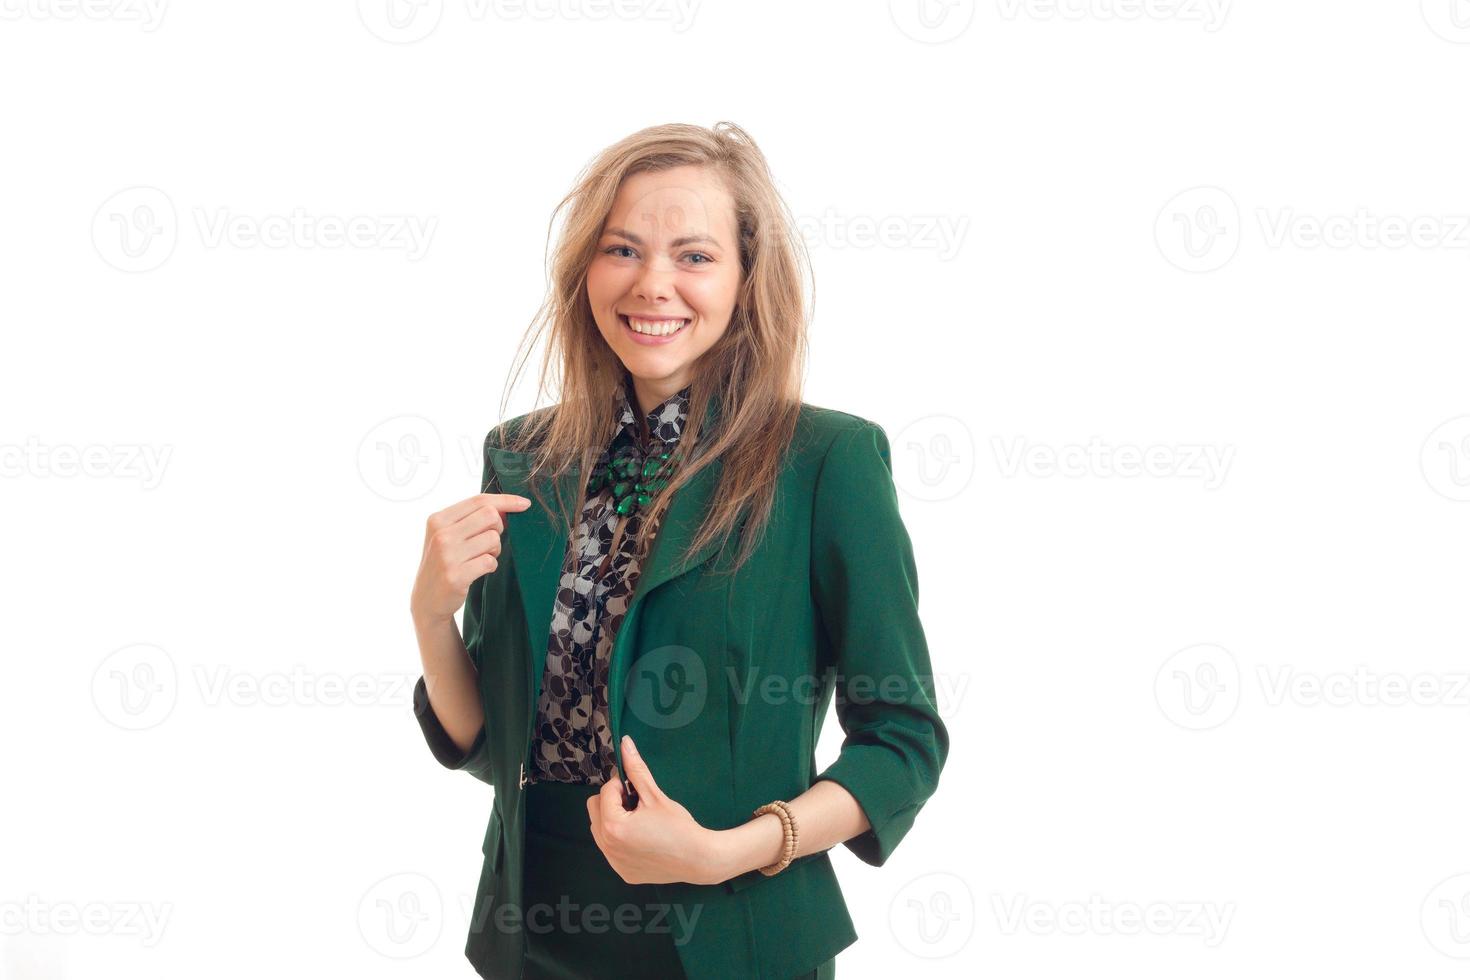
(700,255)
(610,251)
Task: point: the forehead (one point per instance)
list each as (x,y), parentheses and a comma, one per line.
(691,199)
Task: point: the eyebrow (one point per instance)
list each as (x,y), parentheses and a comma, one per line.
(684,240)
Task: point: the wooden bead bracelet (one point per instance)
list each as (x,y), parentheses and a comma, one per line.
(781,809)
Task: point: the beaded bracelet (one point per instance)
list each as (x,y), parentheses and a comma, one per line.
(781,809)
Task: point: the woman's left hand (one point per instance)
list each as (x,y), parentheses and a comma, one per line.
(659,840)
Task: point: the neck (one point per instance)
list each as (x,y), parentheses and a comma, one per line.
(650,394)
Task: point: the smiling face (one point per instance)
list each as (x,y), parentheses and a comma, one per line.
(663,283)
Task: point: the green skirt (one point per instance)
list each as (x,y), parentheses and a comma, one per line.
(581,920)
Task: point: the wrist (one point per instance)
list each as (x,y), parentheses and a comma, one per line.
(754,844)
(714,858)
(428,622)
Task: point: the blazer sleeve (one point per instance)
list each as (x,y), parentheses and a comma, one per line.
(475,760)
(867,591)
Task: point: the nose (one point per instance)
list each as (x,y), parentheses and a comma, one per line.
(655,283)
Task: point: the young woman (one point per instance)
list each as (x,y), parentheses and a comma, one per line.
(667,578)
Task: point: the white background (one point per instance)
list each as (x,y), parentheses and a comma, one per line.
(1223,695)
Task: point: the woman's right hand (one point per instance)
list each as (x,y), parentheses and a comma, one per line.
(461,543)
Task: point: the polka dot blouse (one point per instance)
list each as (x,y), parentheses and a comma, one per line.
(572,740)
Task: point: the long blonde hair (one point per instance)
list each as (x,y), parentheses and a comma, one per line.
(755,370)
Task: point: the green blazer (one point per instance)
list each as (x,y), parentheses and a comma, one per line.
(726,681)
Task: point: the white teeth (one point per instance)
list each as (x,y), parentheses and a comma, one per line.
(656,328)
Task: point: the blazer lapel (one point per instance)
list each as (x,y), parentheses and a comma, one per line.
(539,549)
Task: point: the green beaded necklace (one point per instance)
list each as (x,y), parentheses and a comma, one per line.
(634,473)
(634,477)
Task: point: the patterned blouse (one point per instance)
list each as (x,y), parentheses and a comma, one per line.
(572,739)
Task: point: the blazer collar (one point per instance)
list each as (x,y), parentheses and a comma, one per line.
(540,548)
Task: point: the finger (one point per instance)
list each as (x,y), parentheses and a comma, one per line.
(604,807)
(487,542)
(594,813)
(445,524)
(609,800)
(594,816)
(489,513)
(454,512)
(638,772)
(599,838)
(512,502)
(478,565)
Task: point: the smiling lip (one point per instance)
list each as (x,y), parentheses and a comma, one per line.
(650,340)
